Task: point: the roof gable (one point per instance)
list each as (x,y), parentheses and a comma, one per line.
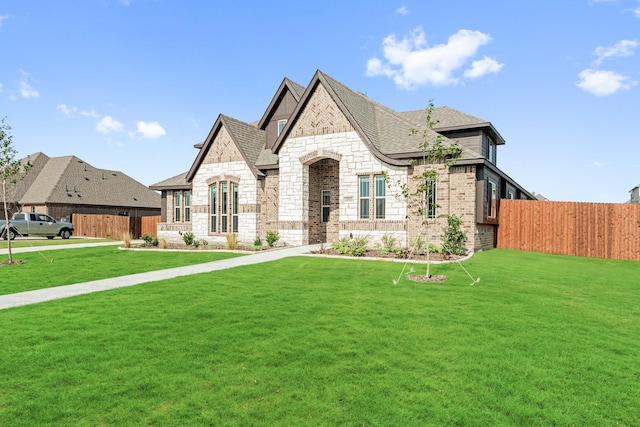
(247,139)
(361,113)
(286,87)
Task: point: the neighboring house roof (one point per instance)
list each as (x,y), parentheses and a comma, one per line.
(178,182)
(70,180)
(249,139)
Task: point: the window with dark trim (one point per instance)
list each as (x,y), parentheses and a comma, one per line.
(363,198)
(177,206)
(430,199)
(381,187)
(491,150)
(492,199)
(326,205)
(281,125)
(224,207)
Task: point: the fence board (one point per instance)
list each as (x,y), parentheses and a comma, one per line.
(600,230)
(113,226)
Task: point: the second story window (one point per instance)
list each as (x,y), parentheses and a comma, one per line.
(281,125)
(491,150)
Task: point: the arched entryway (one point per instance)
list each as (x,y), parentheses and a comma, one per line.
(324,200)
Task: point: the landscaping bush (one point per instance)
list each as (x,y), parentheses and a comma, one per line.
(353,246)
(389,245)
(149,240)
(454,238)
(188,238)
(232,241)
(272,238)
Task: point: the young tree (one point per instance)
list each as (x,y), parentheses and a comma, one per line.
(10,172)
(420,197)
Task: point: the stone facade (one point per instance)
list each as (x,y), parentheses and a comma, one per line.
(312,191)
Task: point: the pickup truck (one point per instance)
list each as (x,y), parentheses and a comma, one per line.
(35,224)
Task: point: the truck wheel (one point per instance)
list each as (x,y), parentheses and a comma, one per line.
(12,234)
(65,234)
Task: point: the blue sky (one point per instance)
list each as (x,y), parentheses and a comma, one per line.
(132,85)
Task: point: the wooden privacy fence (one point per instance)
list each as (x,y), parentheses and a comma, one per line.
(113,226)
(600,230)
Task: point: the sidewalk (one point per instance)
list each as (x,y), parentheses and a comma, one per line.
(48,294)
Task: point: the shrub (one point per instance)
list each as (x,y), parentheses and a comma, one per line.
(419,245)
(126,240)
(200,242)
(272,238)
(232,241)
(163,244)
(353,246)
(454,238)
(389,245)
(257,244)
(149,240)
(188,238)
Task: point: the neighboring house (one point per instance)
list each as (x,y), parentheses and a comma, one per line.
(63,186)
(635,194)
(313,168)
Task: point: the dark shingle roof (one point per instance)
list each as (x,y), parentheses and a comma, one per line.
(248,138)
(70,180)
(178,182)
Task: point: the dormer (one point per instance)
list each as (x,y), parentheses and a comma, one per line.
(275,118)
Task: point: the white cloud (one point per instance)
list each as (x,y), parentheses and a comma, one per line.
(2,18)
(622,48)
(597,164)
(90,113)
(107,125)
(482,67)
(25,89)
(402,10)
(66,110)
(602,83)
(411,62)
(149,130)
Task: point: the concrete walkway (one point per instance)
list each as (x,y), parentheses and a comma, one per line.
(58,292)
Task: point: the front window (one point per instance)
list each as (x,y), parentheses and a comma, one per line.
(187,206)
(326,205)
(364,197)
(224,197)
(492,198)
(234,208)
(177,206)
(213,207)
(430,199)
(224,207)
(381,186)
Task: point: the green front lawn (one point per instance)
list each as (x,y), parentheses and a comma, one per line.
(68,266)
(43,241)
(541,340)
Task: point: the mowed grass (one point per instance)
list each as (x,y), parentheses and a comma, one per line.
(59,267)
(541,340)
(43,241)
